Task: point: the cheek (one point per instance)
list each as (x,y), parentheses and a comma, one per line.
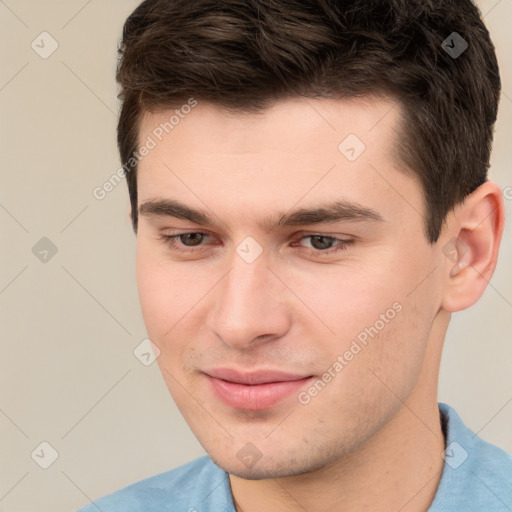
(380,317)
(150,285)
(155,277)
(160,292)
(393,355)
(346,298)
(172,297)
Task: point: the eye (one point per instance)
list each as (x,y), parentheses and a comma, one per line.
(187,240)
(190,239)
(325,244)
(320,242)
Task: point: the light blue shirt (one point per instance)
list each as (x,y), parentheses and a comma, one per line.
(477,477)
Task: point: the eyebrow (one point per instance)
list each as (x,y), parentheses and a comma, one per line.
(326,213)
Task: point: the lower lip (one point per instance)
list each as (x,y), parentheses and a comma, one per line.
(255,397)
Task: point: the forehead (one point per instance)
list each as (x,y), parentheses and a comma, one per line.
(297,152)
(373,119)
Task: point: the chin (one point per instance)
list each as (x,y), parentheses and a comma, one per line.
(269,467)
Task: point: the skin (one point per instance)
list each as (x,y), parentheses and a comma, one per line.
(371,438)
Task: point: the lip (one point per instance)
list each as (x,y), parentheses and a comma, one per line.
(255,390)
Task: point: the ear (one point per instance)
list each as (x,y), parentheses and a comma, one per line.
(470,246)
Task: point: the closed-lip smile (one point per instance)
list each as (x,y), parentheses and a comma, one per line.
(253,389)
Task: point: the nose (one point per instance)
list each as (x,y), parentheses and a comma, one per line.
(250,305)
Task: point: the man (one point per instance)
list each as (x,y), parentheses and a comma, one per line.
(308,183)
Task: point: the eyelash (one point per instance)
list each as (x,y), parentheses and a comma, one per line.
(170,240)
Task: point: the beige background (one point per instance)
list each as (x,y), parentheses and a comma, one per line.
(68,375)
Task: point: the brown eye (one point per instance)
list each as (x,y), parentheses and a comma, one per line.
(191,239)
(317,244)
(321,242)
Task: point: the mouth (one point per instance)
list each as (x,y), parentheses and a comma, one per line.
(255,390)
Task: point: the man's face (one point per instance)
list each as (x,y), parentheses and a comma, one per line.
(286,343)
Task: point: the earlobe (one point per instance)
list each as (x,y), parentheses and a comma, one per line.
(471,254)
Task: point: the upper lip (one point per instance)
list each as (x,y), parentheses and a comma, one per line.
(254,376)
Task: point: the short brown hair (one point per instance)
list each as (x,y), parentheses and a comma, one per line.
(247,54)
